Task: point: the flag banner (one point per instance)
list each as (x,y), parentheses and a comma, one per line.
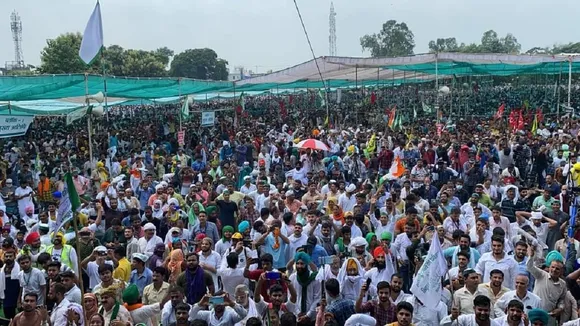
(427,285)
(208,119)
(69,200)
(14,125)
(426,108)
(185,108)
(75,115)
(500,111)
(92,42)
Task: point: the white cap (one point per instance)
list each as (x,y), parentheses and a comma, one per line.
(351,188)
(289,193)
(537,216)
(149,226)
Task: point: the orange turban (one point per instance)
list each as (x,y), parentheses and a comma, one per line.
(379,251)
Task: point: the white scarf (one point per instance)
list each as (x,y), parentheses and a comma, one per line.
(13,276)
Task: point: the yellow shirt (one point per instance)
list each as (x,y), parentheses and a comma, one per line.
(123,271)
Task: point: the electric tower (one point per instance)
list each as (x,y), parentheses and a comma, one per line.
(16,27)
(332,30)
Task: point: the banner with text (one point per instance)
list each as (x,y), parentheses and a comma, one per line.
(14,125)
(208,119)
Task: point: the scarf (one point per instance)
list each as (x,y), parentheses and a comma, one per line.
(116,308)
(276,235)
(195,285)
(339,217)
(175,261)
(132,307)
(43,186)
(191,216)
(89,312)
(304,279)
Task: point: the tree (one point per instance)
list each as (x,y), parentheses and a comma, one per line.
(394,40)
(566,48)
(164,54)
(61,56)
(443,45)
(115,60)
(537,50)
(490,43)
(199,64)
(139,63)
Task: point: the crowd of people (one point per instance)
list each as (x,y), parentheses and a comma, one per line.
(238,225)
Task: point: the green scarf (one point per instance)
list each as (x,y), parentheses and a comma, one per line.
(115,311)
(304,279)
(192,217)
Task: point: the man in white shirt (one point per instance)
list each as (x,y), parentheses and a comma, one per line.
(481,315)
(347,200)
(149,241)
(247,187)
(59,313)
(168,313)
(232,275)
(224,311)
(521,293)
(31,279)
(73,293)
(498,259)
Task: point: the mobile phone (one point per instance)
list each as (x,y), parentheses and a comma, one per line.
(431,228)
(327,260)
(216,300)
(273,276)
(254,260)
(368,283)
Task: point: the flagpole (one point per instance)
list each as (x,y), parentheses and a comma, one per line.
(180,115)
(89,122)
(569,83)
(105,84)
(437,85)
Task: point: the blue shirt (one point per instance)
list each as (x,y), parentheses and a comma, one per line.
(318,252)
(278,254)
(141,280)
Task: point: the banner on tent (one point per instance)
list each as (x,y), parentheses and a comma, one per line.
(207,119)
(14,125)
(75,115)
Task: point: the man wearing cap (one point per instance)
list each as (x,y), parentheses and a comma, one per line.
(110,308)
(140,275)
(291,203)
(141,314)
(7,195)
(73,293)
(228,209)
(308,288)
(93,263)
(63,253)
(247,187)
(149,241)
(347,200)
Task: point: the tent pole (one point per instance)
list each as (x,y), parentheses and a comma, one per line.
(180,118)
(569,82)
(437,85)
(356,76)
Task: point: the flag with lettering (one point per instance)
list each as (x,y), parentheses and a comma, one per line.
(427,284)
(69,200)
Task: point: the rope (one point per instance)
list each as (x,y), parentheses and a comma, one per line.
(313,55)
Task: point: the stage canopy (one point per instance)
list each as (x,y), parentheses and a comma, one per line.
(60,94)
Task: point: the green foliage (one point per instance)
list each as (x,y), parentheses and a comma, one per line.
(490,43)
(199,64)
(61,56)
(394,40)
(443,45)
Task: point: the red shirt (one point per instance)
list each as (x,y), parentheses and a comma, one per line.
(255,275)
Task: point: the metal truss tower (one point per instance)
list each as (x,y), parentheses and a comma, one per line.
(332,30)
(16,27)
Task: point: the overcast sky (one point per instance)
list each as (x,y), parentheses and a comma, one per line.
(266,34)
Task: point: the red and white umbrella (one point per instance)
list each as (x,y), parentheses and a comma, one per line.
(312,144)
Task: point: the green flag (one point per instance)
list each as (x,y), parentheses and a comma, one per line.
(322,98)
(185,108)
(242,102)
(426,108)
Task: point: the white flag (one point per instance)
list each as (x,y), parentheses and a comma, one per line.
(93,37)
(427,285)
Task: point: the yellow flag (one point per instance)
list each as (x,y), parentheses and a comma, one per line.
(535,124)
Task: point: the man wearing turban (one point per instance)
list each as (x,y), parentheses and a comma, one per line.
(65,254)
(139,312)
(308,288)
(383,267)
(351,279)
